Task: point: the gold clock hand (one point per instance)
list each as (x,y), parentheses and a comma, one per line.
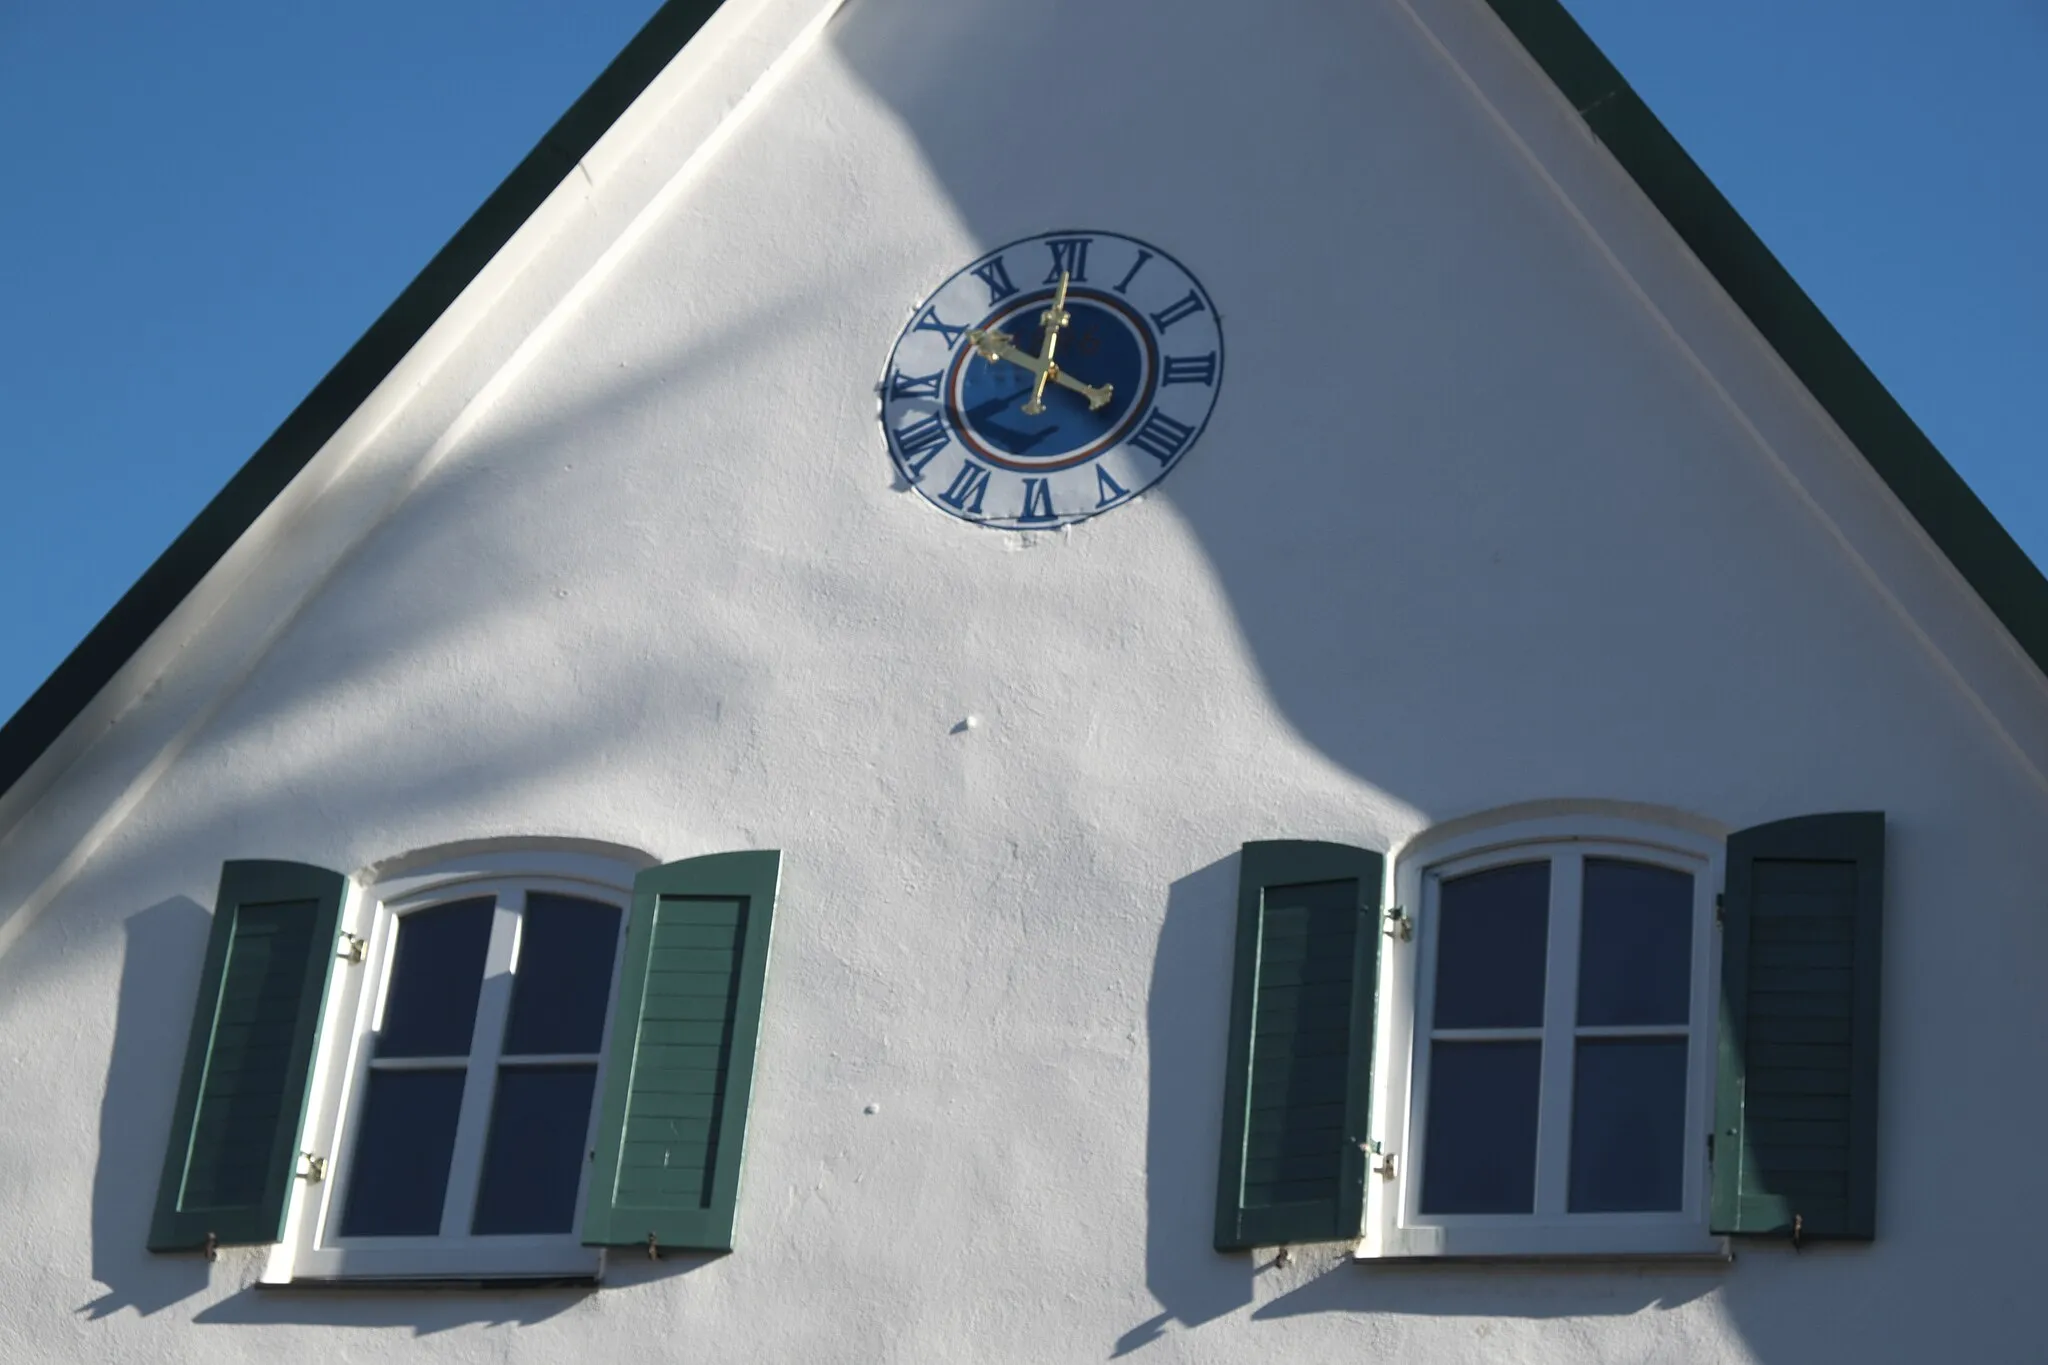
(1052,319)
(994,346)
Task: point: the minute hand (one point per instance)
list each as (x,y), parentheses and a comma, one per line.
(996,346)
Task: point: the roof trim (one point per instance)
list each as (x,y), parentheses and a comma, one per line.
(30,732)
(1954,517)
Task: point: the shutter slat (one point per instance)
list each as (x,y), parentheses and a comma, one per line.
(1796,1098)
(672,1129)
(1301,1045)
(249,1057)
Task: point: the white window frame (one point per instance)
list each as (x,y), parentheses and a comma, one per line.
(312,1248)
(1395,1228)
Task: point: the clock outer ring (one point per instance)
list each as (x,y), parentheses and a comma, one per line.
(928,488)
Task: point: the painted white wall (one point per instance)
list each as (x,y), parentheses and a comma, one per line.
(1501,502)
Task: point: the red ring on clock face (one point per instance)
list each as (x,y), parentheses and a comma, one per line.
(1106,342)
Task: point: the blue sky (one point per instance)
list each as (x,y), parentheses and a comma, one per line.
(208,203)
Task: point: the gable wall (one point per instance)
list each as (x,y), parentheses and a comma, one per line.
(1500,503)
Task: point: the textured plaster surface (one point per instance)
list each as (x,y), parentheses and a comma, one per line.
(1500,503)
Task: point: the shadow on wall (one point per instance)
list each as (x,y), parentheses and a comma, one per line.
(1184,1117)
(1193,1283)
(160,965)
(1442,427)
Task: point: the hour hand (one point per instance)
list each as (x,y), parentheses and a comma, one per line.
(994,346)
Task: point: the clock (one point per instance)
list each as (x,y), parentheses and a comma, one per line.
(1054,378)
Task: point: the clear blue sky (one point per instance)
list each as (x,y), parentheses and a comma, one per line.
(207,203)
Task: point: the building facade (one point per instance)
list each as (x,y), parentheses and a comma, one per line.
(974,682)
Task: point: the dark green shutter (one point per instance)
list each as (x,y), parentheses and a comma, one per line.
(235,1138)
(1795,1122)
(1301,1037)
(667,1162)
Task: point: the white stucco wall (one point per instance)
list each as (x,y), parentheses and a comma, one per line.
(1501,502)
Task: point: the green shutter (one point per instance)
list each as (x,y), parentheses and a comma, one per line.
(1795,1121)
(235,1138)
(667,1161)
(1301,1035)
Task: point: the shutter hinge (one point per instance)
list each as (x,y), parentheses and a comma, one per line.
(1396,924)
(1720,907)
(316,1169)
(1377,1159)
(351,949)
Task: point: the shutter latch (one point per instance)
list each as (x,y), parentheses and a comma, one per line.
(1396,924)
(316,1168)
(1378,1158)
(351,949)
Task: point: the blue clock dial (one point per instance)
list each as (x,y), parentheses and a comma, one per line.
(1054,378)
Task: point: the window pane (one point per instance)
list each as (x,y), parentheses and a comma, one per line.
(1479,1154)
(535,1154)
(439,968)
(1635,944)
(404,1137)
(1628,1125)
(1492,929)
(564,983)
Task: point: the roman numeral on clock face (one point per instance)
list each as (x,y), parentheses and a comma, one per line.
(964,493)
(1191,369)
(1161,437)
(903,385)
(997,279)
(1184,308)
(930,321)
(1038,501)
(920,441)
(1071,255)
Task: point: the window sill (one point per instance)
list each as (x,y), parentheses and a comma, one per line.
(500,1266)
(435,1283)
(1679,1260)
(1597,1239)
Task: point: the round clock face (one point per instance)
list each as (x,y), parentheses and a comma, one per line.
(1054,378)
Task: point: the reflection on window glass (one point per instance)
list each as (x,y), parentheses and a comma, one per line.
(404,1139)
(1491,934)
(564,982)
(534,1155)
(1479,1153)
(430,1009)
(1628,1125)
(1635,944)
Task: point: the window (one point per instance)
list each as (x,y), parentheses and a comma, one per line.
(1586,1028)
(493,1067)
(1554,1087)
(462,1129)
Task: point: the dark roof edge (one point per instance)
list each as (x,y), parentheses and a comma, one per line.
(1959,523)
(177,571)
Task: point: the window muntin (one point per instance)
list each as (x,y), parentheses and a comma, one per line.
(500,1126)
(1546,1049)
(481,1070)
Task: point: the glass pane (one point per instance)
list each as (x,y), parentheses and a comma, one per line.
(1492,930)
(564,983)
(1635,944)
(439,968)
(1628,1125)
(535,1155)
(1479,1152)
(404,1137)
